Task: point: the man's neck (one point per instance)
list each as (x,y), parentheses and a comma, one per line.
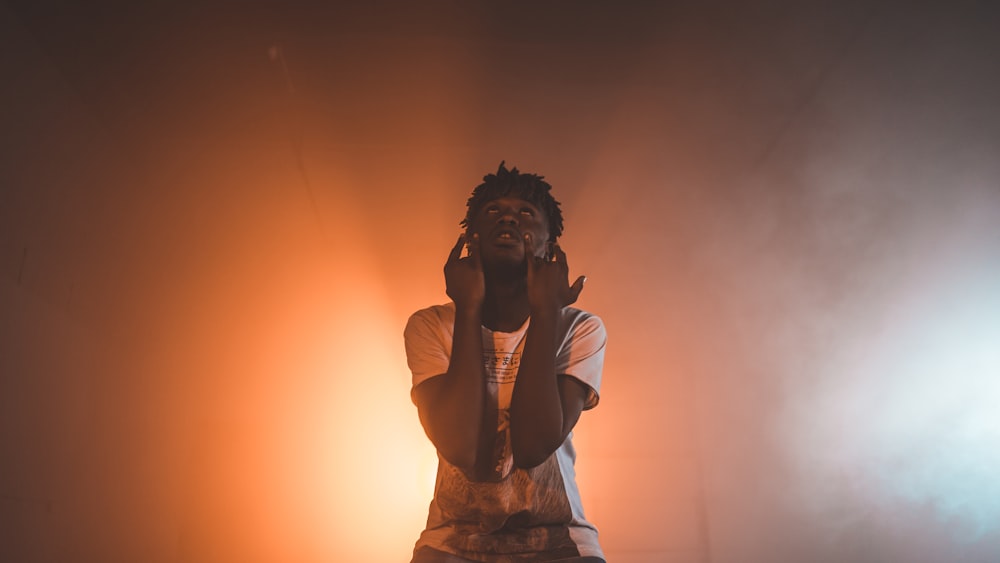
(505,307)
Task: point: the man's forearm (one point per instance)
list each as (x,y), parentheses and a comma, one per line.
(460,403)
(536,414)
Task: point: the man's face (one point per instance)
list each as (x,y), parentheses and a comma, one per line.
(501,225)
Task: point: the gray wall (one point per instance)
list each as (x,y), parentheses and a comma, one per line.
(215,220)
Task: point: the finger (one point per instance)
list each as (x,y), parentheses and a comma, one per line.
(529,252)
(559,255)
(477,260)
(456,252)
(575,289)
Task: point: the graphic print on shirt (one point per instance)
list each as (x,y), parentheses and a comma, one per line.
(501,371)
(525,513)
(501,365)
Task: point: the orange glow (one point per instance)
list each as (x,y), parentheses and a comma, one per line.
(315,448)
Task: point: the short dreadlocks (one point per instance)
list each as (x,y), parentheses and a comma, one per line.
(511,183)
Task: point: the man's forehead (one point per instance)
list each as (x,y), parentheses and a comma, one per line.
(511,199)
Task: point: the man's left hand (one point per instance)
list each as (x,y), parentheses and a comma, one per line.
(548,280)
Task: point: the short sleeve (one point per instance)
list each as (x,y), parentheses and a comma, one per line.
(428,336)
(581,354)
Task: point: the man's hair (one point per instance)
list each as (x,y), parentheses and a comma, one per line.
(511,183)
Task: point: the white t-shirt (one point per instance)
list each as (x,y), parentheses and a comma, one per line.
(519,514)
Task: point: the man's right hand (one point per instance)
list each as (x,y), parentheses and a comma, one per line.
(463,277)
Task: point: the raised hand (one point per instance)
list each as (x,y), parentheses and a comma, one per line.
(548,280)
(463,277)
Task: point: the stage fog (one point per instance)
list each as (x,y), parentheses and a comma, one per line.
(215,221)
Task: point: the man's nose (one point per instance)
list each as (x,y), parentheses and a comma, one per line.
(507,217)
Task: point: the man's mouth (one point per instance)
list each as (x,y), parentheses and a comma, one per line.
(507,236)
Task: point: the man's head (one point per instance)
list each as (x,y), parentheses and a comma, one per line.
(512,215)
(513,184)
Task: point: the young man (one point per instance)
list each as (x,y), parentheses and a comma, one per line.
(500,377)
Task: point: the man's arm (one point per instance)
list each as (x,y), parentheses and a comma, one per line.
(545,406)
(452,406)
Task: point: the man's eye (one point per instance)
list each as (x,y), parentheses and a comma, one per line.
(527,211)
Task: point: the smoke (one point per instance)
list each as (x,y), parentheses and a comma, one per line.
(884,304)
(906,412)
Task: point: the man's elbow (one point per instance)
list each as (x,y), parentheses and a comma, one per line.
(451,446)
(522,462)
(458,457)
(454,449)
(529,457)
(532,448)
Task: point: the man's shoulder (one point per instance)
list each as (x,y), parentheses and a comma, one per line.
(443,315)
(573,312)
(574,316)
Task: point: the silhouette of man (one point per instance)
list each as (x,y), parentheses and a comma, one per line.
(500,377)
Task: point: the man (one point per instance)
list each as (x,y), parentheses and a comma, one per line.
(500,377)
